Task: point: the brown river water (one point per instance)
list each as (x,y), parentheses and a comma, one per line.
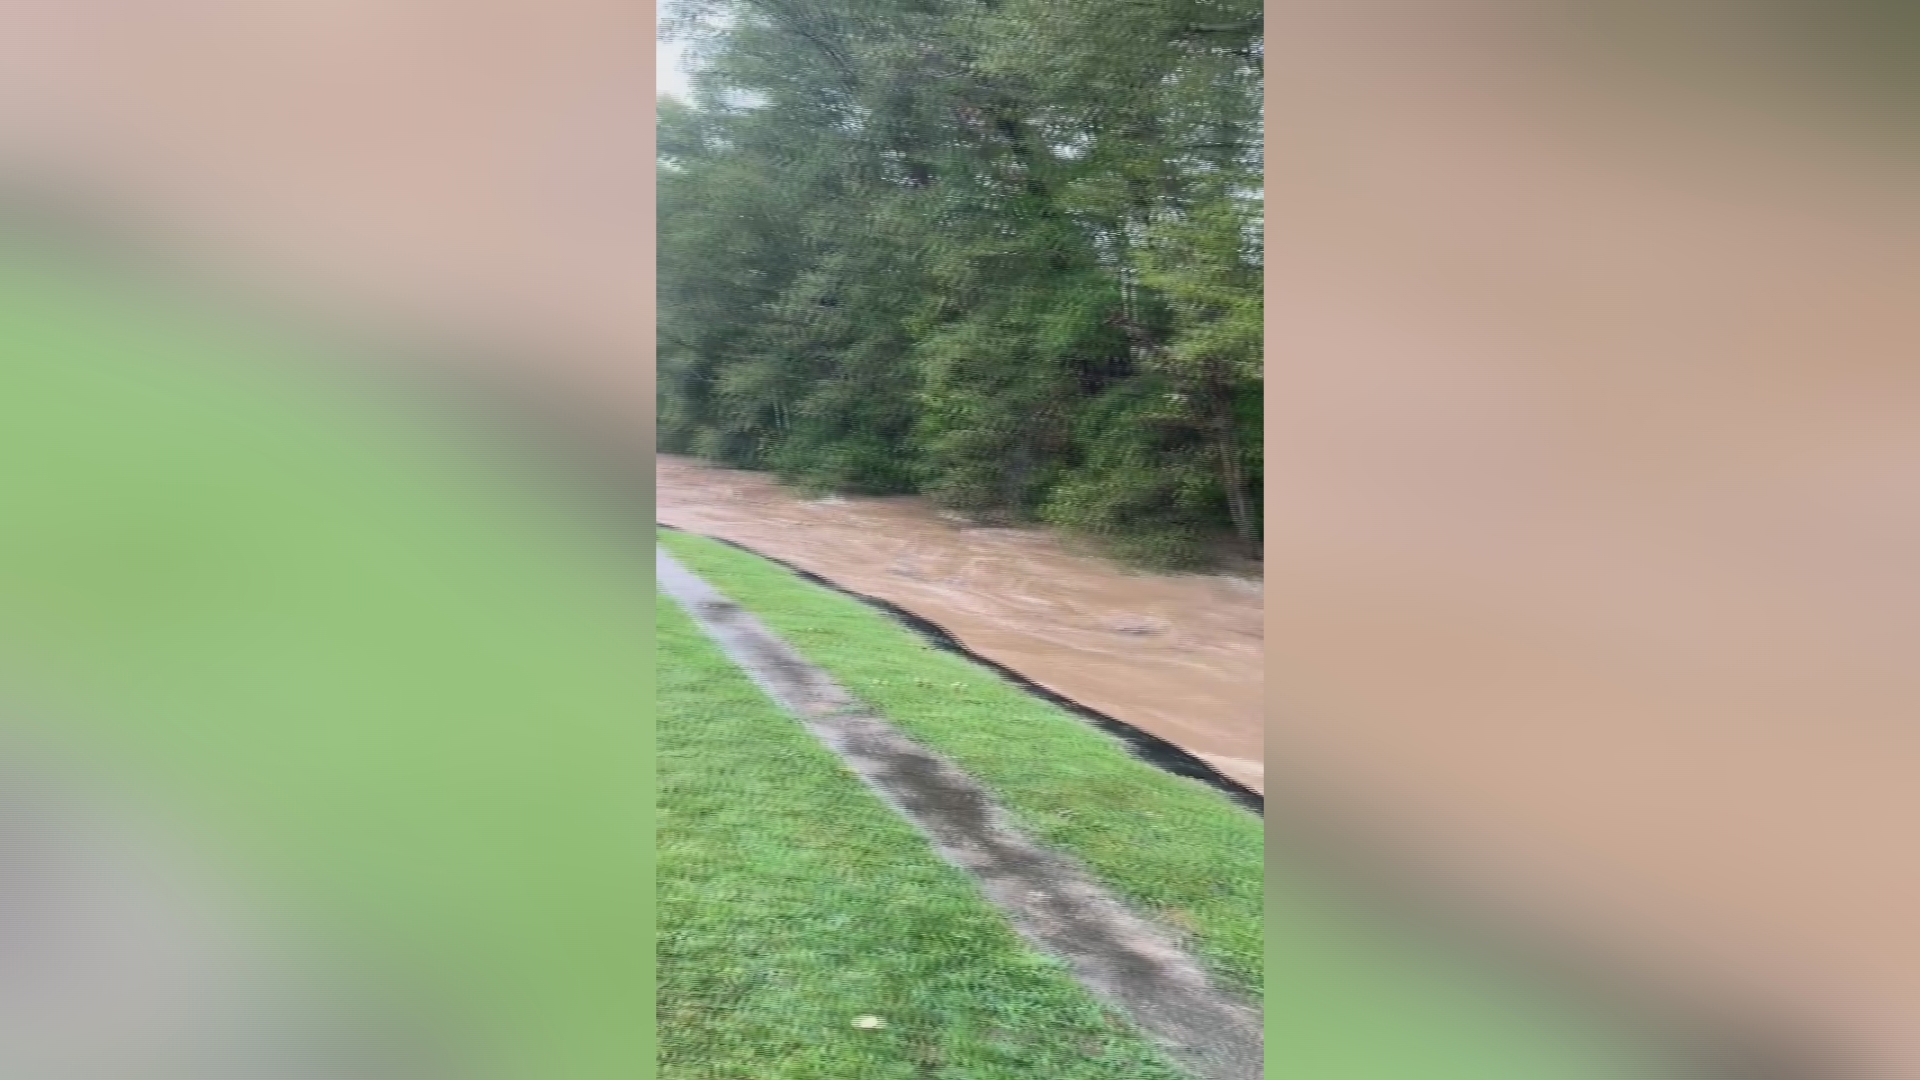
(1179,656)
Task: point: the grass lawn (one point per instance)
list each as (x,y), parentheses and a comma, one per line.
(791,901)
(376,680)
(1174,847)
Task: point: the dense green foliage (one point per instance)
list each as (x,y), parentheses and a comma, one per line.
(1003,252)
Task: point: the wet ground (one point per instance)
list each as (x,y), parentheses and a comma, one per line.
(1179,656)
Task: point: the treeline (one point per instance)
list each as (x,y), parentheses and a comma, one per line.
(1006,253)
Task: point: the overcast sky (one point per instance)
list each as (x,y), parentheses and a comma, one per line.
(669,72)
(669,77)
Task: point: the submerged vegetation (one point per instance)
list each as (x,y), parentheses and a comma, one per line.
(1005,253)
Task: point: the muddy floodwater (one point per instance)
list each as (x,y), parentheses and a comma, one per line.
(1179,656)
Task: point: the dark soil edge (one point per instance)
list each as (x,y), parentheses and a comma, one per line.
(1144,745)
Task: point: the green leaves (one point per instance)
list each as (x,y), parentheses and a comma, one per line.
(915,245)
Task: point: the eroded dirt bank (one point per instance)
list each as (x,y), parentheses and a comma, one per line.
(1179,656)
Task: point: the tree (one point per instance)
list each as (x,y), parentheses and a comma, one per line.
(1001,252)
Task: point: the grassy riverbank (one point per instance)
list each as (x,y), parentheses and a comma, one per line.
(1175,848)
(792,902)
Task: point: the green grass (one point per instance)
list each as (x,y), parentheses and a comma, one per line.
(1172,846)
(378,681)
(792,900)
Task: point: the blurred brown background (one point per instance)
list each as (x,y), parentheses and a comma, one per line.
(476,167)
(1594,482)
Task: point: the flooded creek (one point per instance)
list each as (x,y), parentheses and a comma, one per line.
(1179,656)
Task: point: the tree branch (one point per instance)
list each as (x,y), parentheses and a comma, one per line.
(1240,27)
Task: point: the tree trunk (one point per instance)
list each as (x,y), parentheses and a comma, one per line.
(1233,477)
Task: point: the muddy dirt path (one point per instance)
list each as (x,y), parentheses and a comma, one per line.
(1179,656)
